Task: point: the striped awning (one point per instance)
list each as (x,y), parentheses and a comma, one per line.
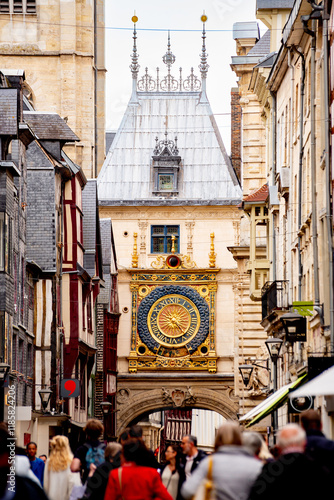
(271,403)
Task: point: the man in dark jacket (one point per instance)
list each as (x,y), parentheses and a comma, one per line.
(318,446)
(193,455)
(293,475)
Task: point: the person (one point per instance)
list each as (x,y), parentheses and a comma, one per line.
(58,478)
(256,445)
(91,454)
(193,455)
(97,482)
(133,481)
(16,482)
(136,432)
(293,475)
(234,470)
(172,474)
(37,465)
(43,457)
(318,446)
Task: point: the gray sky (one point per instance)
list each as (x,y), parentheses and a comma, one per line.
(157,18)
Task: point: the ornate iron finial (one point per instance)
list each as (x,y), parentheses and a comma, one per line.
(169,57)
(134,66)
(169,83)
(135,253)
(204,64)
(165,147)
(212,254)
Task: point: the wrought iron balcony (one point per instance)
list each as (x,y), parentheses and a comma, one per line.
(274,296)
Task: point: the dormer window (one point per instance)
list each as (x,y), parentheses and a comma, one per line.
(166,165)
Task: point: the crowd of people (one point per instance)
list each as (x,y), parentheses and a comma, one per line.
(241,467)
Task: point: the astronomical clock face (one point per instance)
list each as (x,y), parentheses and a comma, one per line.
(173,321)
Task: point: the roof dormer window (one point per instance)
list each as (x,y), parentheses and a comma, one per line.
(166,165)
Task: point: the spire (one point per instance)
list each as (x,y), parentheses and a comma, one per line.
(134,66)
(203,67)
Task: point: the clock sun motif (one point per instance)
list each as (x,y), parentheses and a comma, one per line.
(174,320)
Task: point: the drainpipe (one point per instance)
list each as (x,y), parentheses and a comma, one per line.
(313,173)
(273,176)
(95,91)
(300,170)
(60,322)
(292,114)
(328,171)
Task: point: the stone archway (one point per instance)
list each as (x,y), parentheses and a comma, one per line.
(146,396)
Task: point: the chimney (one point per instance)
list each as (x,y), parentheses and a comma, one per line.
(236,131)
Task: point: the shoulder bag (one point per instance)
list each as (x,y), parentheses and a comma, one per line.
(206,490)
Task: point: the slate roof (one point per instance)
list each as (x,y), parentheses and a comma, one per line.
(9,111)
(274,4)
(206,177)
(262,47)
(49,126)
(91,228)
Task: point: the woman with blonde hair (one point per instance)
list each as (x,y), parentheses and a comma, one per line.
(58,478)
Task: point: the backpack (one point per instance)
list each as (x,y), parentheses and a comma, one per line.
(95,455)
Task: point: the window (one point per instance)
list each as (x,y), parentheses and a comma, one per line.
(166,182)
(2,338)
(17,6)
(161,238)
(89,312)
(5,243)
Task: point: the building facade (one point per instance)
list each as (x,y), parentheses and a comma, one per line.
(290,214)
(61,46)
(173,196)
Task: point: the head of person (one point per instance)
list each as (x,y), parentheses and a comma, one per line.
(172,453)
(136,431)
(291,439)
(93,429)
(228,434)
(189,445)
(111,450)
(31,450)
(135,450)
(4,457)
(124,436)
(43,457)
(252,441)
(311,420)
(60,453)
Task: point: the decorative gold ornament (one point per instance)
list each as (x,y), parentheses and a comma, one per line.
(159,263)
(173,244)
(212,254)
(204,17)
(135,253)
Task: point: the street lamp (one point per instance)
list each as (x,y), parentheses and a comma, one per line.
(295,327)
(45,395)
(4,369)
(274,346)
(106,409)
(246,373)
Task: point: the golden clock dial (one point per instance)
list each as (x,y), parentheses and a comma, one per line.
(173,320)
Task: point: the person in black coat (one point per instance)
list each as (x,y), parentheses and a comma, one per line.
(318,447)
(97,483)
(192,455)
(293,475)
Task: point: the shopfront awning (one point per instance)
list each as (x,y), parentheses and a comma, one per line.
(322,385)
(271,403)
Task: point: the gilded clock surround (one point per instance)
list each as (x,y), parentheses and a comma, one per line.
(173,319)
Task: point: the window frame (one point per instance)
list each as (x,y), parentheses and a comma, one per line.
(6,243)
(18,7)
(165,236)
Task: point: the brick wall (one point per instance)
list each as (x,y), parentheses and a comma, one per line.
(236,131)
